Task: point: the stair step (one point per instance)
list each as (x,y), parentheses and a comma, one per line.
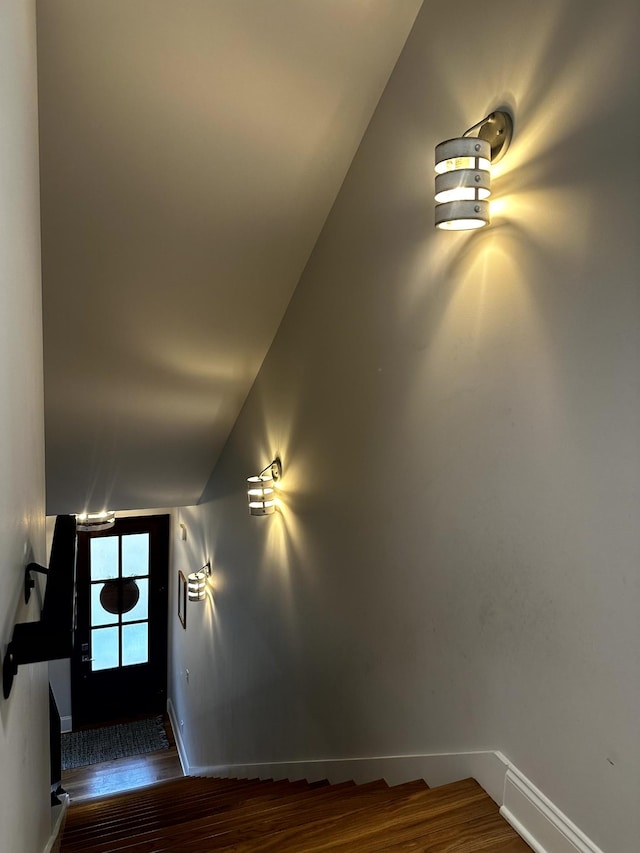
(154,793)
(240,828)
(201,815)
(427,815)
(177,811)
(243,813)
(129,803)
(352,818)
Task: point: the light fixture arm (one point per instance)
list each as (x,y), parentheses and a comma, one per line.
(497,130)
(274,468)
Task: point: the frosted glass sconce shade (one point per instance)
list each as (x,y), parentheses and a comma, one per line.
(261,494)
(467,152)
(197,584)
(463,176)
(93,522)
(261,489)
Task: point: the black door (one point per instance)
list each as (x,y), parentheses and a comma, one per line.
(119,664)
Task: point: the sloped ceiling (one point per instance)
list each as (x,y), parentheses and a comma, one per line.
(190,153)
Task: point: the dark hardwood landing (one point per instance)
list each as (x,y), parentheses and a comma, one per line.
(123,774)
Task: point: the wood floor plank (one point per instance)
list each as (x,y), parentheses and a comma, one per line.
(200,815)
(177,811)
(256,819)
(324,835)
(273,832)
(245,812)
(164,792)
(123,774)
(491,833)
(376,835)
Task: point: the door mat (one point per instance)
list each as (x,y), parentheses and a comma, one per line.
(93,746)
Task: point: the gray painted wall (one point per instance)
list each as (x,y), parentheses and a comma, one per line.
(25,813)
(455,563)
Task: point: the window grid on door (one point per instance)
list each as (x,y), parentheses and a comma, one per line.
(118,565)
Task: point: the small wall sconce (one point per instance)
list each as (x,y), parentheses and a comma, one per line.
(261,491)
(197,583)
(463,172)
(92,522)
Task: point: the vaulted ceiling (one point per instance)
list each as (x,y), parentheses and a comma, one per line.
(190,153)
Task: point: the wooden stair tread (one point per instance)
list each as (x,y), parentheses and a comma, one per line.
(243,811)
(155,793)
(376,832)
(178,812)
(459,830)
(189,792)
(280,827)
(254,814)
(325,833)
(202,815)
(90,812)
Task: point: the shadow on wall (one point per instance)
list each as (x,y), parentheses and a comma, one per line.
(558,98)
(21,614)
(468,286)
(272,434)
(472,287)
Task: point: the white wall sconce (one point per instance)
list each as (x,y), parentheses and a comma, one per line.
(261,489)
(93,522)
(197,583)
(463,172)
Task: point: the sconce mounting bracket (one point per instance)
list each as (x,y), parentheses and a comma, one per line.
(276,468)
(497,130)
(9,672)
(29,582)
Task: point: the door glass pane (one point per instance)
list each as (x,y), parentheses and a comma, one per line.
(135,554)
(135,643)
(141,610)
(104,648)
(104,558)
(99,616)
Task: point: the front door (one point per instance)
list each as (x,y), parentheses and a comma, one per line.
(119,664)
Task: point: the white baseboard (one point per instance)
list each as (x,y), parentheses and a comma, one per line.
(56,828)
(533,816)
(542,825)
(182,752)
(65,724)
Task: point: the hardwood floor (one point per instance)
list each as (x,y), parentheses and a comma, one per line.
(201,815)
(206,815)
(124,774)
